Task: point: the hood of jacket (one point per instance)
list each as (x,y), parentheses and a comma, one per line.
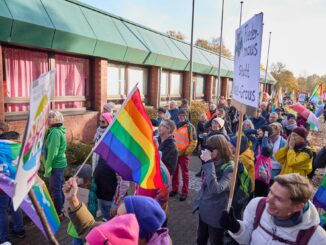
(247,155)
(160,237)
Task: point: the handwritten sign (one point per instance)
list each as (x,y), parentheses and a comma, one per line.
(29,160)
(247,61)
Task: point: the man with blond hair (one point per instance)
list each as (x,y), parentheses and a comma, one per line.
(285,216)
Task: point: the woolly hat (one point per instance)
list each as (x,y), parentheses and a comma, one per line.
(220,121)
(149,214)
(290,116)
(277,124)
(161,109)
(107,116)
(122,229)
(243,145)
(182,112)
(267,128)
(301,131)
(109,107)
(85,173)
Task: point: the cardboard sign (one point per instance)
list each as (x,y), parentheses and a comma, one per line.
(247,62)
(302,97)
(29,159)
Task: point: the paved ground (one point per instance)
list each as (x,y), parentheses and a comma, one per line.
(182,222)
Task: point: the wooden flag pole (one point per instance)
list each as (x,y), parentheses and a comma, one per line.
(40,213)
(236,158)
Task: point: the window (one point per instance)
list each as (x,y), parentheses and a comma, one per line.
(72,82)
(116,81)
(21,68)
(138,75)
(164,83)
(199,86)
(175,84)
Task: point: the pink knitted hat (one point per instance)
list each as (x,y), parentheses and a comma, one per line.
(107,116)
(122,229)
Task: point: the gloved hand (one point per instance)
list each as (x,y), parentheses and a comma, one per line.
(229,221)
(206,155)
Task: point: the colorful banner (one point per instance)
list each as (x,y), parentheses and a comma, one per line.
(29,160)
(7,185)
(247,61)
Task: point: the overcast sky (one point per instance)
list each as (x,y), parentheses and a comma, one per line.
(298,34)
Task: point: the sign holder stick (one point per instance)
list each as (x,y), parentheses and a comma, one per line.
(242,109)
(40,213)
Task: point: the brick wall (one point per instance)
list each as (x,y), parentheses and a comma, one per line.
(154,83)
(186,85)
(100,83)
(224,86)
(2,102)
(208,90)
(78,127)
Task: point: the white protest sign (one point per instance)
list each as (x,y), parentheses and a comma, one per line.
(29,160)
(247,61)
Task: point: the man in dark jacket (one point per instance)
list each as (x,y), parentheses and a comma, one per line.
(258,120)
(167,145)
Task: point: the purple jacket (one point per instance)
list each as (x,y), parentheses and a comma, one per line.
(160,237)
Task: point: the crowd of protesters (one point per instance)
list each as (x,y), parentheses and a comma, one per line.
(272,191)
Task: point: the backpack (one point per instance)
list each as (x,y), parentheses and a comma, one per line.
(303,236)
(242,186)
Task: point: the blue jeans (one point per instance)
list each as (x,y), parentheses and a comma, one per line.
(17,217)
(105,207)
(56,183)
(77,241)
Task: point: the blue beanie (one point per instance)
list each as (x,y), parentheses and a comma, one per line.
(243,145)
(149,214)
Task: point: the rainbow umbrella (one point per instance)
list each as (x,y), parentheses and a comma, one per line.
(307,114)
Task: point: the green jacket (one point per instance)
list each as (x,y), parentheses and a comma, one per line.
(55,146)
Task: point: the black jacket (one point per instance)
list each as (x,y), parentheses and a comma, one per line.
(169,153)
(106,181)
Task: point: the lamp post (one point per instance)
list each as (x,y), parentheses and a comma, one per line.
(191,51)
(240,12)
(220,53)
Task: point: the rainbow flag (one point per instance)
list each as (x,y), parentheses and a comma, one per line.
(44,199)
(317,93)
(128,146)
(294,95)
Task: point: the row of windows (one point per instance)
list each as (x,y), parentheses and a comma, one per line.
(73,84)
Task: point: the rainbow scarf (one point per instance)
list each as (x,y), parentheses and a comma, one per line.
(128,147)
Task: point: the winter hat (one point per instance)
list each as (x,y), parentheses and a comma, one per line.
(277,124)
(161,109)
(109,107)
(220,121)
(107,116)
(301,131)
(182,112)
(243,145)
(290,116)
(149,214)
(267,128)
(123,229)
(85,173)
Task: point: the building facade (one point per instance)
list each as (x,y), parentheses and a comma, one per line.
(98,57)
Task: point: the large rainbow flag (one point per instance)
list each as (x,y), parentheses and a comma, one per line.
(128,145)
